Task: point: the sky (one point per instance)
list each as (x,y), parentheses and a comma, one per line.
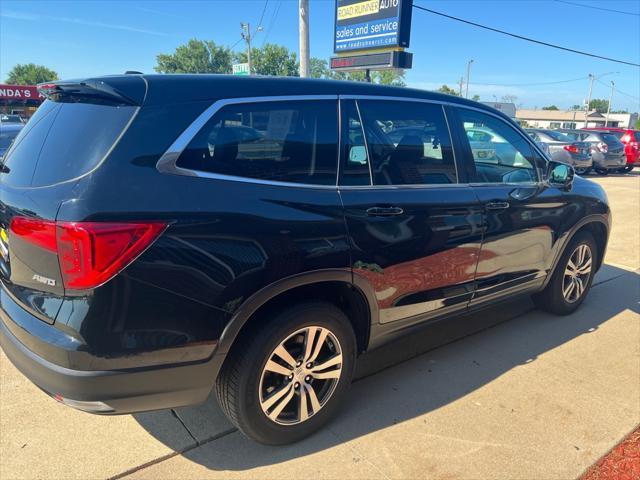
(89,38)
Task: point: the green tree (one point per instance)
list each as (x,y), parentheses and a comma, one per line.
(476,98)
(30,74)
(638,125)
(550,107)
(319,68)
(576,107)
(197,56)
(272,59)
(448,90)
(599,105)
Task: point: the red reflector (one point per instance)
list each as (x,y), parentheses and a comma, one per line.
(37,232)
(92,253)
(89,253)
(571,148)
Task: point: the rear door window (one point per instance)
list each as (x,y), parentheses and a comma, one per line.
(408,143)
(285,141)
(64,141)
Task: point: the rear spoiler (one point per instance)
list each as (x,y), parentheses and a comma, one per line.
(109,91)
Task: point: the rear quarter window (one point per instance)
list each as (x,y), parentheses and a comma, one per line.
(64,141)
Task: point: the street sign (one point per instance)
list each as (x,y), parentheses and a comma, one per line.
(372,24)
(373,61)
(241,69)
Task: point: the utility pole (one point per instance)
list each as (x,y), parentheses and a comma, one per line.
(606,120)
(466,93)
(247,36)
(460,83)
(592,77)
(304,37)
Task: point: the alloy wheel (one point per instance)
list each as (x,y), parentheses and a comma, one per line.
(300,375)
(577,273)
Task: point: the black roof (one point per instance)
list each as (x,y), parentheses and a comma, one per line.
(177,88)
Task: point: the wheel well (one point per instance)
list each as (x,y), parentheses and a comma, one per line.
(343,295)
(599,232)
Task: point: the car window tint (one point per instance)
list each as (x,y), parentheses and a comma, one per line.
(408,143)
(289,141)
(502,155)
(355,167)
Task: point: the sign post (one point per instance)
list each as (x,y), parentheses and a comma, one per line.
(241,69)
(372,34)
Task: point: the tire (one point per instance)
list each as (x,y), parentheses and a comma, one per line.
(627,169)
(552,299)
(583,171)
(245,386)
(602,171)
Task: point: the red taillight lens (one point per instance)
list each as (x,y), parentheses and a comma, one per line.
(571,148)
(37,232)
(89,253)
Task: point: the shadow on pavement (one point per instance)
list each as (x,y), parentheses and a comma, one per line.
(392,392)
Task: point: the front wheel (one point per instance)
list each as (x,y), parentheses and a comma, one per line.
(627,169)
(284,381)
(602,171)
(583,170)
(572,277)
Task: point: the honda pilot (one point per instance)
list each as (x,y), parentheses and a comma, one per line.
(165,236)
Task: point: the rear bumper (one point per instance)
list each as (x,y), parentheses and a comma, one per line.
(122,391)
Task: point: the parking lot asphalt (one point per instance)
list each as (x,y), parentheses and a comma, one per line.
(537,396)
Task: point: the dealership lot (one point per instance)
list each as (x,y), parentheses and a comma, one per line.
(535,397)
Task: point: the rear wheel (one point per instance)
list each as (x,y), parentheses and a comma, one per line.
(572,277)
(285,381)
(582,170)
(602,171)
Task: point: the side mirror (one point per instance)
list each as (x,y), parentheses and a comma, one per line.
(358,154)
(560,175)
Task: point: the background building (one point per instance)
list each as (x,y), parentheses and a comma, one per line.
(573,119)
(19,99)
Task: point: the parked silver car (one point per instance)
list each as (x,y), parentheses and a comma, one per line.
(607,151)
(562,148)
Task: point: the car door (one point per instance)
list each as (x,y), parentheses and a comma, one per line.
(415,229)
(521,214)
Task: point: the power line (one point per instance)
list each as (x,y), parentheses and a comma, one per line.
(598,8)
(273,19)
(619,91)
(539,42)
(264,9)
(529,84)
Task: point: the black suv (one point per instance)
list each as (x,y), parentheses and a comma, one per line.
(166,235)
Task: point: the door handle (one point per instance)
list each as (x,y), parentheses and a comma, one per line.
(497,205)
(384,211)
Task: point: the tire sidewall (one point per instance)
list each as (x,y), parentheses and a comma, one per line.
(254,422)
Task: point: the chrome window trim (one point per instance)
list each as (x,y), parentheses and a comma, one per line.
(167,162)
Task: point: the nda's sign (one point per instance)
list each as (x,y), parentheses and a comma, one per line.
(19,92)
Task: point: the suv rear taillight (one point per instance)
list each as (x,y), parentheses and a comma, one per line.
(89,253)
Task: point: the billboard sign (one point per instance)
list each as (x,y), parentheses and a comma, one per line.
(19,92)
(373,61)
(372,24)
